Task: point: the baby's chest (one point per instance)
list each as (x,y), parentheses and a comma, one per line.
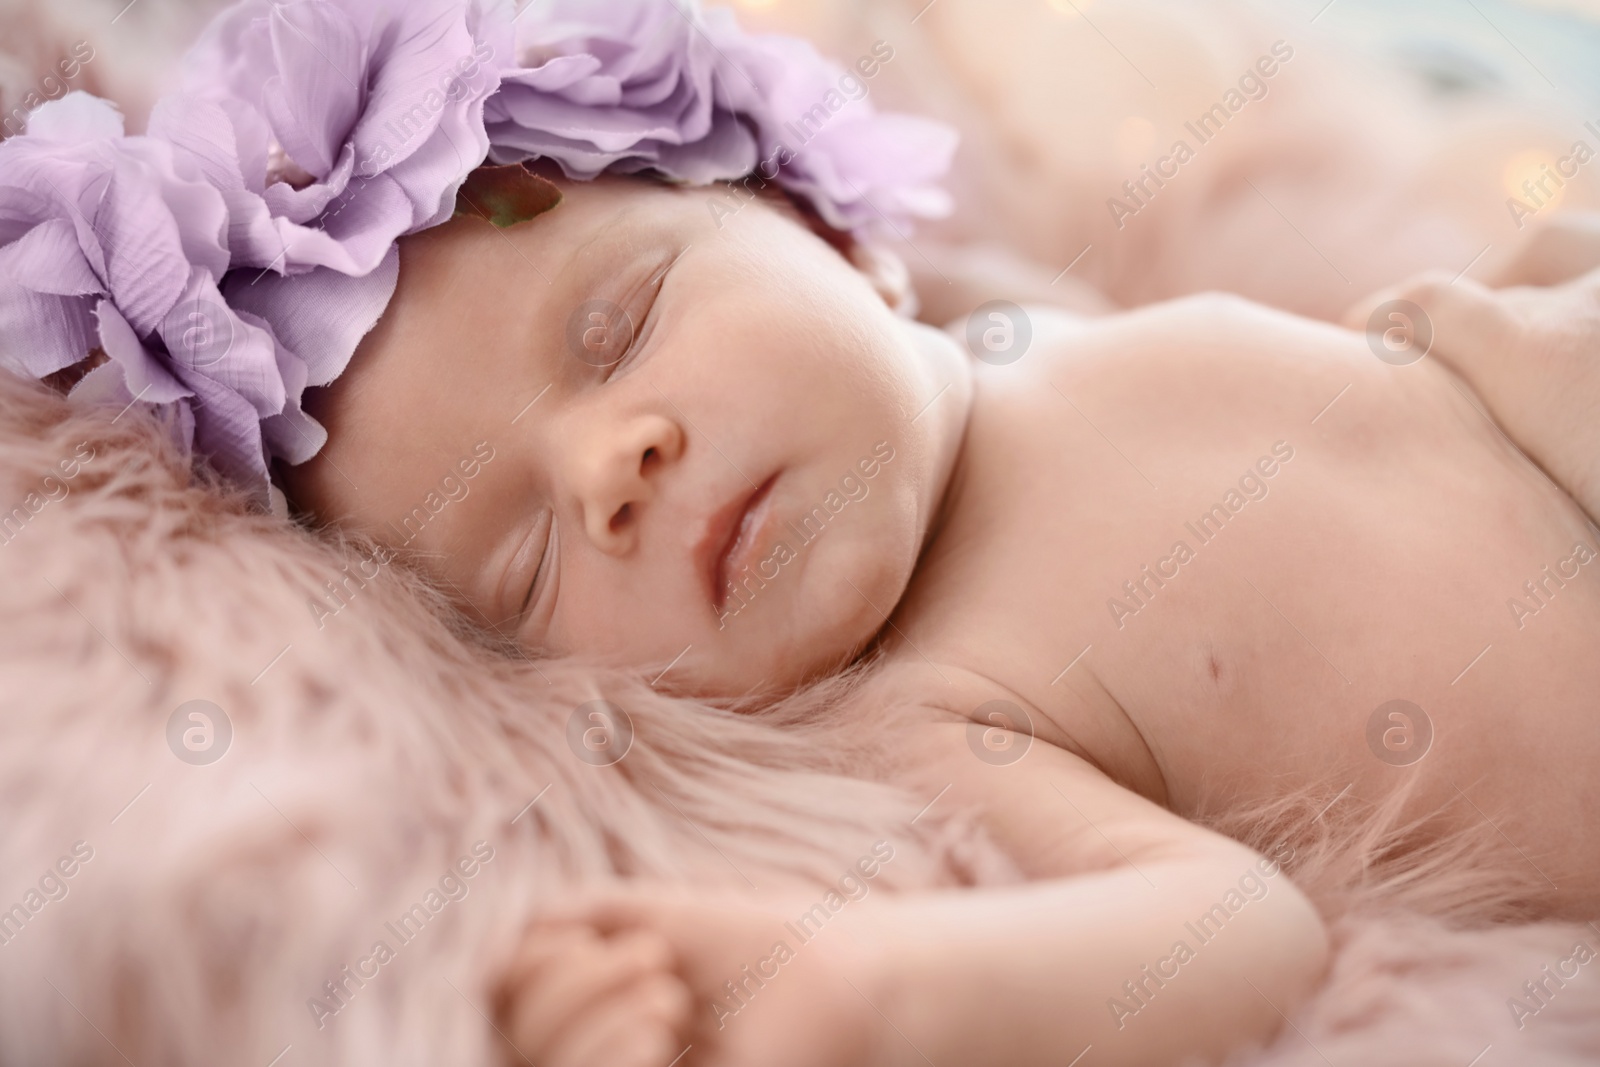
(1198,603)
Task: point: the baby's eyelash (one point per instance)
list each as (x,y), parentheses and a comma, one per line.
(540,572)
(635,342)
(654,286)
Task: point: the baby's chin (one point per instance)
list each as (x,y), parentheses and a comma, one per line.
(846,611)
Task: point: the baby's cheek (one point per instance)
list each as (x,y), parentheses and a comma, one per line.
(628,617)
(854,575)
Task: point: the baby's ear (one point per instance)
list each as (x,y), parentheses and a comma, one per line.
(888,274)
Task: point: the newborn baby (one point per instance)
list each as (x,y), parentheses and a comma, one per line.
(1120,572)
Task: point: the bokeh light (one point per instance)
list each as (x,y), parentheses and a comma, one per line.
(1529,167)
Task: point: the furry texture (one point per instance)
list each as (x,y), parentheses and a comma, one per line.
(371,751)
(368,756)
(1409,991)
(377,748)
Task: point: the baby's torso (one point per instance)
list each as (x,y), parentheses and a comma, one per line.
(1224,554)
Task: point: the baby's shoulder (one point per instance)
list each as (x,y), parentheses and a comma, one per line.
(1052,811)
(1005,338)
(949,724)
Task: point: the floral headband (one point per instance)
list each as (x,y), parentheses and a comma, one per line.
(237,253)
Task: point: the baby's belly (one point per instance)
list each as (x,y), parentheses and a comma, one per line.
(1242,557)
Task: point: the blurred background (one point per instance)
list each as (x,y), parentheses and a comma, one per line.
(1399,135)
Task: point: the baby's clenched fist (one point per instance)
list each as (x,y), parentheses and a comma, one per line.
(658,977)
(576,998)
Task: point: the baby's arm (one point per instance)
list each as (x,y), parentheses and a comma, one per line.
(1144,936)
(1530,348)
(1088,954)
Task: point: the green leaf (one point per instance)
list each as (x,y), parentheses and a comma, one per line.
(506,195)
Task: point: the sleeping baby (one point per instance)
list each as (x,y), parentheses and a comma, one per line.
(1189,554)
(1100,580)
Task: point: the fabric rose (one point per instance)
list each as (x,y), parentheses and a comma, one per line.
(117,243)
(860,169)
(329,129)
(629,86)
(353,121)
(237,253)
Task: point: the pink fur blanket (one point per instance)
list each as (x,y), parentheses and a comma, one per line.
(179,912)
(161,910)
(383,779)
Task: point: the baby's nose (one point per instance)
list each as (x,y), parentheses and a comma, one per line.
(622,481)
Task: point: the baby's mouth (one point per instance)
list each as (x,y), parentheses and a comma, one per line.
(730,539)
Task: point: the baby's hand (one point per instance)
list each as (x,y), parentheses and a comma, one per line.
(1563,249)
(575,998)
(1532,354)
(653,978)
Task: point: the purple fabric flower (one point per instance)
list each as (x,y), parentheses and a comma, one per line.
(117,243)
(351,122)
(238,253)
(861,170)
(657,85)
(312,136)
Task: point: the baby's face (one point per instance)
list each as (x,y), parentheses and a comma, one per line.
(623,431)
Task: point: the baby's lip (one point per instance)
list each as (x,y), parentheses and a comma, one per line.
(729,536)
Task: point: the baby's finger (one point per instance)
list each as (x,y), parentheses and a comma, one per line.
(559,985)
(639,1026)
(1565,248)
(1474,329)
(542,941)
(1359,316)
(1455,319)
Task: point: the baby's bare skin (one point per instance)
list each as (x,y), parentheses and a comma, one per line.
(1396,526)
(1378,567)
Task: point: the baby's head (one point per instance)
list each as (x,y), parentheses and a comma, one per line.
(635,429)
(657,424)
